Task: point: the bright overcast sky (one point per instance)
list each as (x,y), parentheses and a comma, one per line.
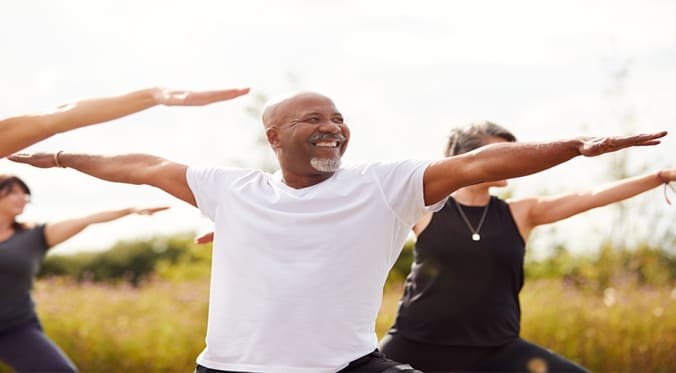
(403,73)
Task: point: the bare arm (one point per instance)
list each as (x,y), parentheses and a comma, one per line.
(58,232)
(128,168)
(508,160)
(18,132)
(533,211)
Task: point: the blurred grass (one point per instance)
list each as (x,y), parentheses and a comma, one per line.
(157,327)
(614,312)
(628,329)
(160,325)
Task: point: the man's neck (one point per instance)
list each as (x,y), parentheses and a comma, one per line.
(304,181)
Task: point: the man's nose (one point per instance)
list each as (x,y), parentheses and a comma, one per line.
(330,127)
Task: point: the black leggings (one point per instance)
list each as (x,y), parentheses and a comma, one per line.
(25,348)
(375,362)
(516,356)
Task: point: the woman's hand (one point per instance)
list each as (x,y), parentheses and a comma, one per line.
(172,97)
(150,210)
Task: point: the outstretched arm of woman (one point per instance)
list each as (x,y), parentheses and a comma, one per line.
(58,232)
(533,211)
(18,132)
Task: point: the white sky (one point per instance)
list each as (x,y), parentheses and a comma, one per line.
(402,72)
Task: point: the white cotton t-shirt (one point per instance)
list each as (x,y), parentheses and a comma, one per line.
(297,274)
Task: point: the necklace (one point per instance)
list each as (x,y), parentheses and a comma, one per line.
(475,232)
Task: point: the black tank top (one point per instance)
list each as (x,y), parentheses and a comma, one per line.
(462,292)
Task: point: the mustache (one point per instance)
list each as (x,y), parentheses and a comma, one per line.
(326,136)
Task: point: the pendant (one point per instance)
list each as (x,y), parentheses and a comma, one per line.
(476,237)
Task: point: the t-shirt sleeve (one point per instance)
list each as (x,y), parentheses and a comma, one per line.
(402,187)
(41,238)
(208,185)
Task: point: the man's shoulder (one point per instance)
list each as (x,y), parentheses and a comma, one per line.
(386,164)
(226,170)
(222,174)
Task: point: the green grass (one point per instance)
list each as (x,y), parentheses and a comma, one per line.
(160,325)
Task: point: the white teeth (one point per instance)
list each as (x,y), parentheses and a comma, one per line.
(331,144)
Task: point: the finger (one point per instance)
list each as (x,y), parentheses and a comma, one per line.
(151,211)
(215,96)
(231,93)
(20,157)
(641,136)
(206,238)
(639,140)
(647,136)
(156,209)
(645,143)
(657,135)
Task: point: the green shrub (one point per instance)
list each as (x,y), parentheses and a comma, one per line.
(130,261)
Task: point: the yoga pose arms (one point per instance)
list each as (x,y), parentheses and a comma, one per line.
(20,131)
(58,232)
(529,212)
(508,160)
(142,169)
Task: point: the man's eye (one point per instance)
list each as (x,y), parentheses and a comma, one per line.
(337,120)
(313,120)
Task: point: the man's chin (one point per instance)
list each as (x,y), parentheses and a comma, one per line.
(326,164)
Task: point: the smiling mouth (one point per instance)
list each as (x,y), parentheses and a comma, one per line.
(327,141)
(327,144)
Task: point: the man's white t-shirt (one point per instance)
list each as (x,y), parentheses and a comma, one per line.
(297,274)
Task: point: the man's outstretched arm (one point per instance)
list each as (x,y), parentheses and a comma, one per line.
(20,131)
(142,169)
(508,160)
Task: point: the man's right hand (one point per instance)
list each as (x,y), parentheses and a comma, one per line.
(205,238)
(593,146)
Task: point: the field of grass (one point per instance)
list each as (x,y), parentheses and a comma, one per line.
(160,326)
(627,329)
(157,327)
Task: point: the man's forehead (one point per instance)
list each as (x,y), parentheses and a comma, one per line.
(296,105)
(310,103)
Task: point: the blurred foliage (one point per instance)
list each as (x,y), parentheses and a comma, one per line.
(178,258)
(402,266)
(129,261)
(607,267)
(644,266)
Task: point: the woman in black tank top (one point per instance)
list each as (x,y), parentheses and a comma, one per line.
(460,309)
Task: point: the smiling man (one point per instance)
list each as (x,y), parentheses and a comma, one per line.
(300,257)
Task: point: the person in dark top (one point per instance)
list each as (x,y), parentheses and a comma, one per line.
(460,310)
(23,345)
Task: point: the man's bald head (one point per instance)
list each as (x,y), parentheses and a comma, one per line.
(277,109)
(307,133)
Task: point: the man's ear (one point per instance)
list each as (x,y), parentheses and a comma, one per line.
(273,137)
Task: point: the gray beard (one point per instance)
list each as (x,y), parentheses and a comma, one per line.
(325,165)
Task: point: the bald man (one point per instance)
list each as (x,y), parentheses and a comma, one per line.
(300,256)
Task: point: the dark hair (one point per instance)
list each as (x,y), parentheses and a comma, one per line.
(472,136)
(7,183)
